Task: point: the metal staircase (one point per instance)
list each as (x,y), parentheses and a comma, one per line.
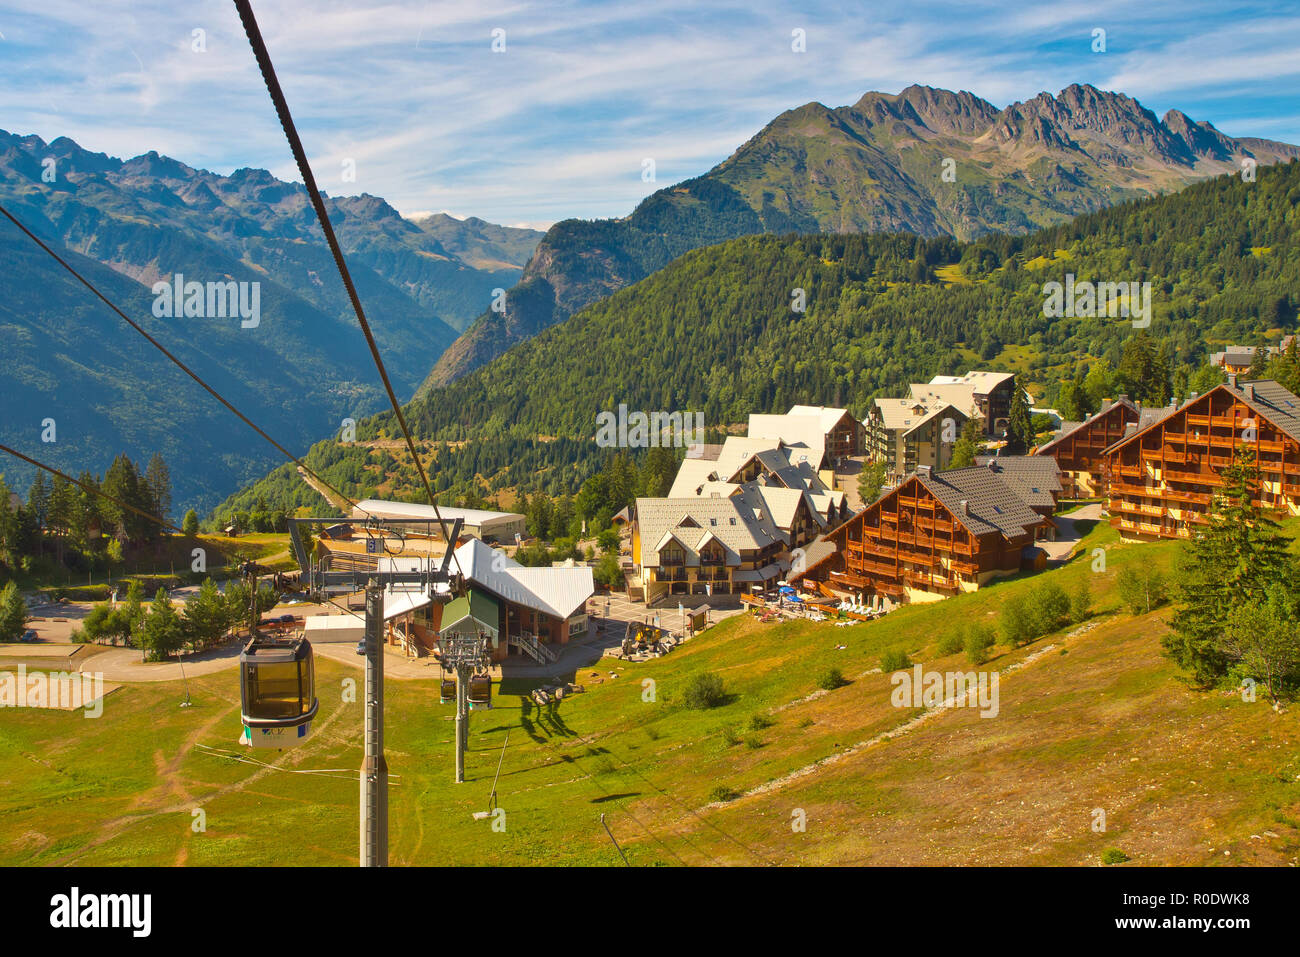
(534,648)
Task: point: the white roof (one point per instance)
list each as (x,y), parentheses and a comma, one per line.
(470,516)
(828,418)
(983,382)
(558,592)
(961,395)
(804,429)
(402,603)
(341,622)
(902,415)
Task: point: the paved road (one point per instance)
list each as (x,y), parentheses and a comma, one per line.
(1068,533)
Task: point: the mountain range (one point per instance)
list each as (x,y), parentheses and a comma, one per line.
(131,223)
(876,166)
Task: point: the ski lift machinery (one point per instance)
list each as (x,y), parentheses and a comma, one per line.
(277,681)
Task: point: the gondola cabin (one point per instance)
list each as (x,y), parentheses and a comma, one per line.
(480,691)
(277,688)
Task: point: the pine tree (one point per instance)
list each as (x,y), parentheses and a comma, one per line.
(162,632)
(966,447)
(13,613)
(1020,431)
(1258,359)
(1238,557)
(38,505)
(158,478)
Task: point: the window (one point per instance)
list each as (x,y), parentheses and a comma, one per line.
(278,690)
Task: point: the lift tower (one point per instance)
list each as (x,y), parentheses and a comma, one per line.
(323,581)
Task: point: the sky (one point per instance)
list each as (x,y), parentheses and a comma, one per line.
(558,120)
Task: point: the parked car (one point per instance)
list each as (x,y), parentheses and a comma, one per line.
(29,636)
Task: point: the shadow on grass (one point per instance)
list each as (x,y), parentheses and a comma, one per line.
(615,797)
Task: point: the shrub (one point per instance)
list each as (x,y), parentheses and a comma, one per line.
(1049,608)
(753,742)
(722,793)
(951,643)
(1141,589)
(729,736)
(1081,601)
(831,679)
(1016,623)
(979,640)
(894,659)
(804,723)
(1113,855)
(760,721)
(704,691)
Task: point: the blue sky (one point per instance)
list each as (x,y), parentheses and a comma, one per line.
(559,123)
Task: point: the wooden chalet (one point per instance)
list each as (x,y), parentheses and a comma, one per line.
(1162,478)
(1080,448)
(937,534)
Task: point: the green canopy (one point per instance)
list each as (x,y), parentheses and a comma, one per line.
(472,614)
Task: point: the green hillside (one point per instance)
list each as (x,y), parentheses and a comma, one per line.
(1091,716)
(714,331)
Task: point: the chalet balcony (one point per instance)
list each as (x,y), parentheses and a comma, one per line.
(931,582)
(1142,528)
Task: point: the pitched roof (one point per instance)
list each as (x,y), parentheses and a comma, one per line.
(1069,428)
(794,466)
(982,382)
(901,414)
(828,418)
(732,520)
(800,430)
(1034,477)
(992,504)
(1265,397)
(961,395)
(814,553)
(558,592)
(1274,402)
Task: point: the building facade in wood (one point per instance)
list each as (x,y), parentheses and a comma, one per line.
(1080,448)
(935,535)
(1162,478)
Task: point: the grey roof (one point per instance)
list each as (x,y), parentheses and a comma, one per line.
(814,553)
(992,504)
(1274,402)
(1034,477)
(732,520)
(791,465)
(1068,428)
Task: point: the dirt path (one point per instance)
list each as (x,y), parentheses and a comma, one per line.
(169,788)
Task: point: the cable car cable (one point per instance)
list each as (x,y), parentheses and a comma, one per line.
(676,801)
(264,64)
(120,504)
(90,488)
(177,362)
